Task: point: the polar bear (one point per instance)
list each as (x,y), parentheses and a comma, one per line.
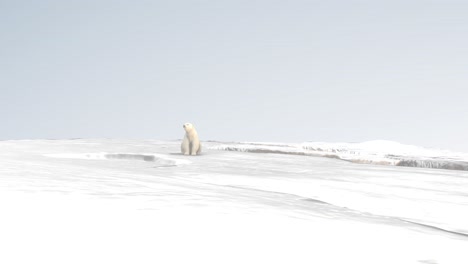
(191,144)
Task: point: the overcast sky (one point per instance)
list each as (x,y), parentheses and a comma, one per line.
(287,71)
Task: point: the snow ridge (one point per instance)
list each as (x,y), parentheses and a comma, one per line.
(380,152)
(159,159)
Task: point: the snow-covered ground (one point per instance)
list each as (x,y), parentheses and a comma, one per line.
(136,201)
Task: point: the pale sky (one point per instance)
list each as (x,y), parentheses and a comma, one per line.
(284,71)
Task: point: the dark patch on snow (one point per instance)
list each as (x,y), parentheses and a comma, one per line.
(150,158)
(314,201)
(428,261)
(161,162)
(434,164)
(436,228)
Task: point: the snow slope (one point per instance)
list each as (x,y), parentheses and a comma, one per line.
(136,201)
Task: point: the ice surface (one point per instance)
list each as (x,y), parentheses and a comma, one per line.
(136,201)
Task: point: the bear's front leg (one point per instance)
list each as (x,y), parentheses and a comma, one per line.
(194,146)
(185,147)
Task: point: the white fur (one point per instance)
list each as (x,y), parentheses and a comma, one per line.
(191,144)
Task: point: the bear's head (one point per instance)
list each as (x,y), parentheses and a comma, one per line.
(188,127)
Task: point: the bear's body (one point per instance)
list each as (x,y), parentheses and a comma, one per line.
(190,144)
